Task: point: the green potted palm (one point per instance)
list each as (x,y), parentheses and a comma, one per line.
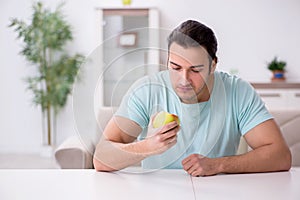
(278,69)
(43,40)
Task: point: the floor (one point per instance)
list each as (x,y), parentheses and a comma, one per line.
(26,161)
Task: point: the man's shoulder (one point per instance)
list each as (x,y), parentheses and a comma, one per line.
(226,77)
(232,81)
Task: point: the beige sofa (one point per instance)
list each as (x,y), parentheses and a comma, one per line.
(76,153)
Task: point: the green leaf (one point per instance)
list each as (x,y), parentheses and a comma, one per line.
(276,65)
(44,39)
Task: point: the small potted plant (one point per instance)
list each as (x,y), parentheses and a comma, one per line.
(278,69)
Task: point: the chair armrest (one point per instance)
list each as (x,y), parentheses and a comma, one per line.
(74,153)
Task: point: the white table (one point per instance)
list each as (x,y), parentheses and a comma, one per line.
(163,184)
(278,185)
(92,185)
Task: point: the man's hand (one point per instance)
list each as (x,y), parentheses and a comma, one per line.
(198,165)
(161,139)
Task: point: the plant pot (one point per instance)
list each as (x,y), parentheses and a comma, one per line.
(278,75)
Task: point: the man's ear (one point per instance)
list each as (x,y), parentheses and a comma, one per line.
(213,66)
(167,62)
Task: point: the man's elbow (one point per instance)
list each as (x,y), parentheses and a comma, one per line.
(100,167)
(286,161)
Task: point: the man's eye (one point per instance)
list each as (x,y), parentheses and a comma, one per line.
(196,71)
(176,68)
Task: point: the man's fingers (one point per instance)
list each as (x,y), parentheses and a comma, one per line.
(192,164)
(168,135)
(187,166)
(186,160)
(193,168)
(168,127)
(196,173)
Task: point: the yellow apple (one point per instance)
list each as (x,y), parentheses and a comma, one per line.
(163,118)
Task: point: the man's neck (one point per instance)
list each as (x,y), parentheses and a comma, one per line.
(207,90)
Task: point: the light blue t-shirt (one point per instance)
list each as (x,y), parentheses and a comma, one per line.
(212,128)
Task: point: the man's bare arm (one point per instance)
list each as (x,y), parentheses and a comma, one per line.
(270,153)
(118,149)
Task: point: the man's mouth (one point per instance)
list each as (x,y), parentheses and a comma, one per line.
(185,88)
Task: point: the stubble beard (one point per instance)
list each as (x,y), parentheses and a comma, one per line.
(202,94)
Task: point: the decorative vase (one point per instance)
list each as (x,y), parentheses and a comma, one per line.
(126,2)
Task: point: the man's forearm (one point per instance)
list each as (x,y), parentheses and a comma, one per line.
(264,159)
(111,156)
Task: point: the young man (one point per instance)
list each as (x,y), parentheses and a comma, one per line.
(214,108)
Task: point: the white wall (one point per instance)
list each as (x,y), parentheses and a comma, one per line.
(250,33)
(20,121)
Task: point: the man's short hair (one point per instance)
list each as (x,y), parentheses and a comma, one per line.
(193,34)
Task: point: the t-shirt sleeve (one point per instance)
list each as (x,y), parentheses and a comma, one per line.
(251,110)
(134,103)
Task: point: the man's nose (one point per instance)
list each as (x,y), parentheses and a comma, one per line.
(185,80)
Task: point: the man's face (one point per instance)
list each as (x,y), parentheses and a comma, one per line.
(189,72)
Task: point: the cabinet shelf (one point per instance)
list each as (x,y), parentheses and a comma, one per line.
(276,85)
(279,95)
(126,11)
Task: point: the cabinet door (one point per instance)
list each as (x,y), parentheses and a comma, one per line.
(293,99)
(284,99)
(274,99)
(127,50)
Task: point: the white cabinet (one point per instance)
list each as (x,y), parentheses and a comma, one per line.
(129,48)
(279,95)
